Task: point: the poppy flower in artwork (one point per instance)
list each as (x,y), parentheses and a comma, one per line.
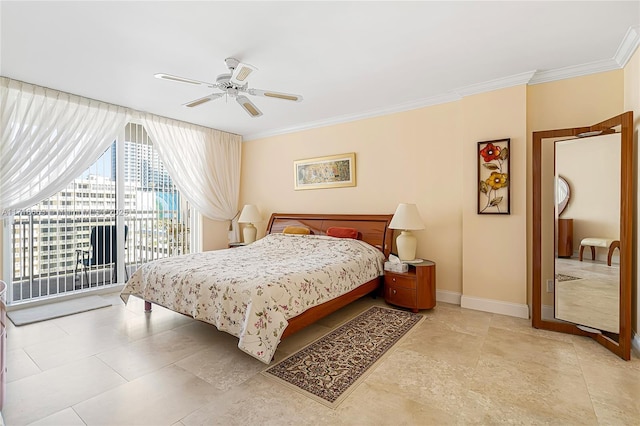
(490,152)
(497,180)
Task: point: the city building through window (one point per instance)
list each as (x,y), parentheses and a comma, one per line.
(126,194)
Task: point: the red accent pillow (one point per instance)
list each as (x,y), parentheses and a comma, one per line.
(336,231)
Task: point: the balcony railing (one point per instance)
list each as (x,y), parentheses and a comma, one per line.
(48,244)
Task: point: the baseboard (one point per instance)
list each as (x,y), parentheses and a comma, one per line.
(548,312)
(447,296)
(495,306)
(114,288)
(635,343)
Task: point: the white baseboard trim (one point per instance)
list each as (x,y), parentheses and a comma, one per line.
(495,306)
(115,288)
(547,312)
(447,296)
(635,344)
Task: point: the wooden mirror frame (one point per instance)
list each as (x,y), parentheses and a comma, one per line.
(622,347)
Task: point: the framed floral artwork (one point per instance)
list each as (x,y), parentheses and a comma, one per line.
(494,187)
(333,171)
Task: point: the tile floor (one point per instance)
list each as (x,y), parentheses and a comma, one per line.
(119,366)
(593,299)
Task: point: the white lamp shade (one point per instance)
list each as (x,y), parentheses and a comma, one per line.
(406,217)
(250,214)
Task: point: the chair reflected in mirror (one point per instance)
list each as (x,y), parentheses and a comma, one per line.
(103,251)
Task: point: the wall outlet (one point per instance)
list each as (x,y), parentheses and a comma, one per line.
(549,286)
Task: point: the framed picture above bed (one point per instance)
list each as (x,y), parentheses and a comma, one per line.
(333,171)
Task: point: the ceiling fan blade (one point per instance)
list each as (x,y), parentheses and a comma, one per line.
(277,95)
(248,106)
(203,100)
(182,79)
(241,73)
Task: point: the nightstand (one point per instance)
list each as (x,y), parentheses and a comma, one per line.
(414,289)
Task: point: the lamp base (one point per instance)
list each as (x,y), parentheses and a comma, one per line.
(406,244)
(249,233)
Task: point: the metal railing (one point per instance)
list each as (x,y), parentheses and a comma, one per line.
(51,241)
(49,246)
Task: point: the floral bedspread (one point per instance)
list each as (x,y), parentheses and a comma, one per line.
(251,291)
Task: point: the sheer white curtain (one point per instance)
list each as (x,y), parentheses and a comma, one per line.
(203,163)
(48,138)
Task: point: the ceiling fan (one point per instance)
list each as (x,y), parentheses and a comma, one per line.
(233,85)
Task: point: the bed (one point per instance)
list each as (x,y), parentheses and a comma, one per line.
(265,291)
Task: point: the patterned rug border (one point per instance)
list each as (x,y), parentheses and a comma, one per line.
(362,376)
(564,277)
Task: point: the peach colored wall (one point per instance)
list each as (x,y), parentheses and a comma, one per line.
(494,246)
(575,102)
(214,234)
(428,156)
(412,156)
(632,103)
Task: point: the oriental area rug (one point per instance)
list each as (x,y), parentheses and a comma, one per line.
(562,277)
(332,366)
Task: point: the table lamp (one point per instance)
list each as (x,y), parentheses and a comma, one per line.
(249,215)
(406,218)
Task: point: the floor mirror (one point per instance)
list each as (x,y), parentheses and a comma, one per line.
(583,203)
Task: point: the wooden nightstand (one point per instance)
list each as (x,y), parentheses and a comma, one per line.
(414,289)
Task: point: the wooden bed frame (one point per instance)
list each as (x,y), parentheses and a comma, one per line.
(372,229)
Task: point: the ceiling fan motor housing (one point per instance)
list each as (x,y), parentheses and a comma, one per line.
(223,82)
(232,63)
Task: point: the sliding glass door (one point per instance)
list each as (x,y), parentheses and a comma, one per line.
(121,212)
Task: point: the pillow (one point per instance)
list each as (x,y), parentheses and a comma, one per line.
(336,231)
(297,230)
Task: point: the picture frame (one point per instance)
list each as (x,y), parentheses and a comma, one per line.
(333,171)
(494,177)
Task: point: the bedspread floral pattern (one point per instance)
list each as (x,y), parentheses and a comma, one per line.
(251,291)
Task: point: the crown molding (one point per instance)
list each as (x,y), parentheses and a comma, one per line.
(456,95)
(407,106)
(575,71)
(627,48)
(629,44)
(497,84)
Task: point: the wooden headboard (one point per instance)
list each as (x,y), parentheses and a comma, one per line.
(372,229)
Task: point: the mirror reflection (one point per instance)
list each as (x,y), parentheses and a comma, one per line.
(563,194)
(586,264)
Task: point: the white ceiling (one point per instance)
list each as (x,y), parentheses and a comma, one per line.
(347,59)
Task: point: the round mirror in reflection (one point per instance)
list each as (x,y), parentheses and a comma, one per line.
(563,194)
